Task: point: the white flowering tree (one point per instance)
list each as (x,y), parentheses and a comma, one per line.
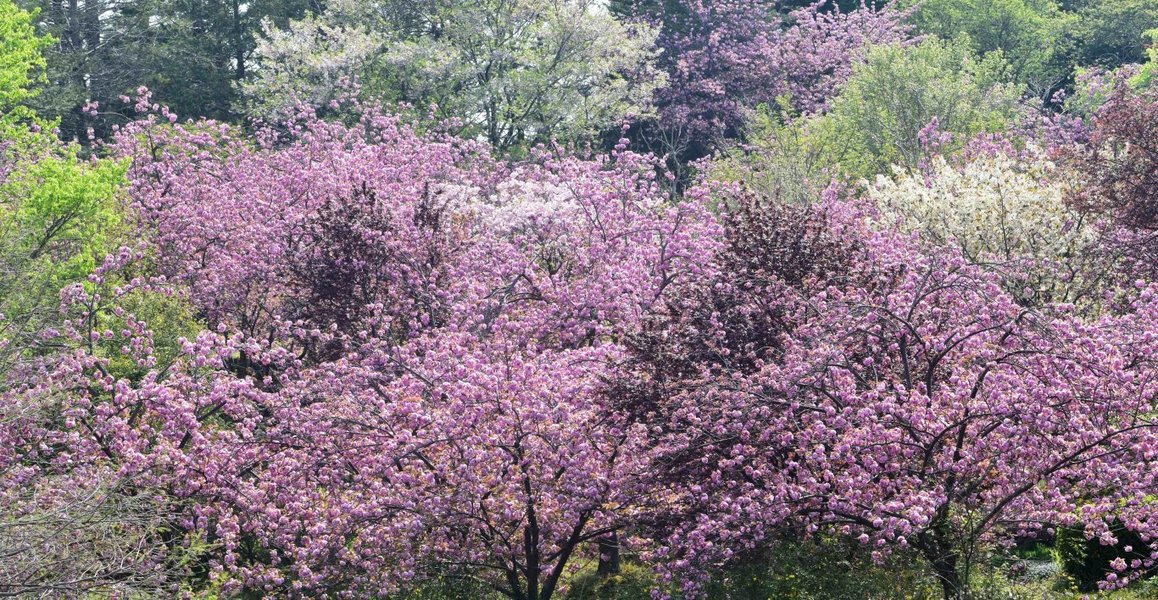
(310,61)
(1005,212)
(512,72)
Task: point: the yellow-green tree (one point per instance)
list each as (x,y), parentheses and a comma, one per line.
(901,95)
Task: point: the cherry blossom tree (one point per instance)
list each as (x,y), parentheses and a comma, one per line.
(861,382)
(253,265)
(409,384)
(419,362)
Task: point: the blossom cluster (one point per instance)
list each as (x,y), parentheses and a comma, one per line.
(418,362)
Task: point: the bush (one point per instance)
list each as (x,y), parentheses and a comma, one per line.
(633,582)
(882,115)
(826,568)
(449,589)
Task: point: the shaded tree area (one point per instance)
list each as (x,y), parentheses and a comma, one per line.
(190,52)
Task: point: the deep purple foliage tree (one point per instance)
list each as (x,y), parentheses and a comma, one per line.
(724,58)
(1118,169)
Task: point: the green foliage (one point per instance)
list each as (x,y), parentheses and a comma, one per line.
(1109,33)
(169,317)
(779,159)
(66,212)
(21,64)
(59,216)
(450,589)
(1149,73)
(21,56)
(1027,33)
(646,8)
(822,569)
(877,119)
(633,582)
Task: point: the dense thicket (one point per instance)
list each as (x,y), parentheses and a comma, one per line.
(457,299)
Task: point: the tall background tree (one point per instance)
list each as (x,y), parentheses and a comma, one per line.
(1028,34)
(724,59)
(193,52)
(514,73)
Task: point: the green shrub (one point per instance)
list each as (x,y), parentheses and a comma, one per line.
(826,568)
(1149,73)
(449,589)
(779,159)
(877,119)
(633,582)
(22,64)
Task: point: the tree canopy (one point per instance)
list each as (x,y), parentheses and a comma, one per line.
(578,299)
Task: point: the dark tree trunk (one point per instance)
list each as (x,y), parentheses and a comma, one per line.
(56,12)
(238,41)
(937,549)
(73,28)
(609,562)
(92,25)
(946,570)
(72,40)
